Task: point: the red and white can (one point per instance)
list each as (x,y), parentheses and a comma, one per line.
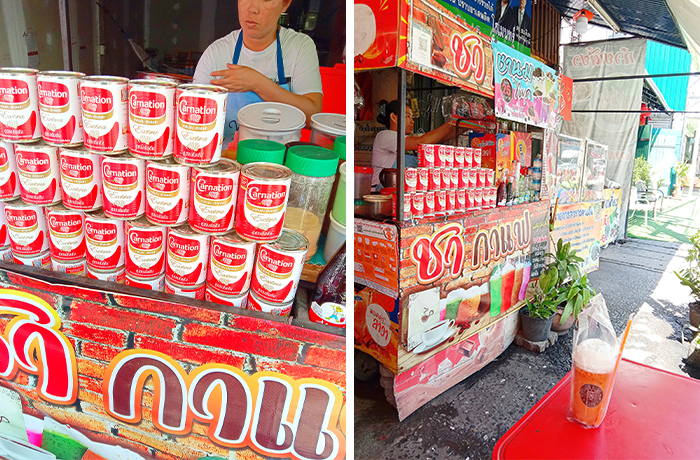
(105,242)
(451,201)
(461,204)
(187,257)
(440,203)
(40,261)
(390,191)
(454,177)
(423,180)
(468,157)
(478,198)
(151,118)
(145,248)
(434,179)
(19,105)
(463,178)
(104,104)
(4,234)
(446,154)
(213,196)
(279,309)
(81,179)
(471,198)
(473,175)
(417,205)
(262,201)
(427,155)
(459,157)
(481,177)
(26,225)
(124,186)
(66,233)
(151,284)
(201,116)
(77,267)
(9,180)
(476,161)
(240,301)
(231,263)
(167,192)
(59,107)
(492,193)
(278,267)
(410,180)
(193,292)
(6,254)
(112,276)
(489,177)
(39,173)
(429,206)
(407,204)
(445,178)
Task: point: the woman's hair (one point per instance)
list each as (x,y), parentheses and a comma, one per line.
(386,109)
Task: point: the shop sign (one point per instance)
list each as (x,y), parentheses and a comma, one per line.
(580,224)
(377,256)
(526,90)
(477,14)
(376,34)
(566,91)
(611,215)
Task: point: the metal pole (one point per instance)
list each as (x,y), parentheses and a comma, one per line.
(65,35)
(401,143)
(694,161)
(637,77)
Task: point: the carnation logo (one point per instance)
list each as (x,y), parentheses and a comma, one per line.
(96,100)
(195,118)
(147,104)
(76,167)
(3,156)
(200,110)
(48,101)
(14,91)
(52,94)
(276,262)
(219,189)
(67,224)
(229,258)
(147,241)
(33,161)
(273,195)
(101,232)
(182,246)
(18,218)
(121,174)
(162,180)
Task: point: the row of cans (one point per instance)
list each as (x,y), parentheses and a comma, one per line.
(448,202)
(425,179)
(448,156)
(110,115)
(212,198)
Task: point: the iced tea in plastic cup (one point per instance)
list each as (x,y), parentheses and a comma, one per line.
(591,384)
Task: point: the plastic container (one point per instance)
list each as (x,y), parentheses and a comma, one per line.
(340,147)
(338,212)
(335,239)
(260,151)
(326,127)
(379,206)
(273,121)
(314,171)
(363,181)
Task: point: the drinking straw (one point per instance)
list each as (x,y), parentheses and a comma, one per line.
(617,363)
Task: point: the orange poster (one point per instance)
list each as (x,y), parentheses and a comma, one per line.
(377,256)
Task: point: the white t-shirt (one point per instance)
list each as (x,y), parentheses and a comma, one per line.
(298,51)
(383,152)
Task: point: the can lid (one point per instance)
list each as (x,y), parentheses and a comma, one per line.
(266,171)
(311,160)
(260,150)
(340,147)
(223,166)
(290,240)
(363,170)
(329,123)
(377,198)
(272,117)
(61,74)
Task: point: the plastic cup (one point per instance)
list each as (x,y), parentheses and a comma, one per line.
(334,239)
(338,212)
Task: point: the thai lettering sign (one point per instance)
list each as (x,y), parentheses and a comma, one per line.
(478,14)
(581,225)
(513,24)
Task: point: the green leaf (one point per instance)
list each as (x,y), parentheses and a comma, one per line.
(578,306)
(566,313)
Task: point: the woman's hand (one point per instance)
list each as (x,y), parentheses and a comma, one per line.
(238,78)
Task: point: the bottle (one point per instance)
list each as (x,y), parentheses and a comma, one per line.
(328,302)
(501,194)
(509,191)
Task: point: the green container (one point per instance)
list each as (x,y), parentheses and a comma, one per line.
(338,211)
(260,151)
(312,161)
(339,147)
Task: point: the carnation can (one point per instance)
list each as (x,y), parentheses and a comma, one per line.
(26,225)
(417,205)
(104,241)
(473,177)
(201,116)
(9,180)
(454,177)
(59,107)
(461,204)
(459,157)
(104,105)
(42,260)
(150,284)
(255,303)
(76,267)
(240,301)
(112,276)
(187,257)
(19,105)
(435,179)
(423,180)
(145,248)
(478,198)
(446,156)
(476,161)
(167,192)
(124,186)
(489,177)
(492,192)
(262,201)
(410,180)
(468,157)
(66,233)
(151,118)
(471,199)
(445,178)
(278,267)
(451,201)
(231,263)
(193,292)
(213,197)
(481,177)
(81,179)
(441,203)
(407,204)
(39,173)
(429,206)
(463,178)
(427,154)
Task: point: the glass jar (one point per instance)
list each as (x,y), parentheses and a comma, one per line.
(314,171)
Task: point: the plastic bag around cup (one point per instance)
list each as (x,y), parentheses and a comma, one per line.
(594,361)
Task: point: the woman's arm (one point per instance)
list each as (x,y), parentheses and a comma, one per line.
(443,133)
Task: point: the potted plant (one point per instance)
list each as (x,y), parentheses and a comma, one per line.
(537,317)
(691,277)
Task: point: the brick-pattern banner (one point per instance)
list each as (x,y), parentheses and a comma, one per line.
(165,380)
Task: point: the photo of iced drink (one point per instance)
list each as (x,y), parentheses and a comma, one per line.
(452,308)
(517,281)
(591,383)
(507,279)
(485,299)
(469,306)
(526,279)
(495,291)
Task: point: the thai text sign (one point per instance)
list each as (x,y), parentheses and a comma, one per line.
(477,13)
(526,91)
(581,225)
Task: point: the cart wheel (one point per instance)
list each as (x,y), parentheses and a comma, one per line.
(366,367)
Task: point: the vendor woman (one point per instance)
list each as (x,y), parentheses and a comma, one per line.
(384,147)
(262,62)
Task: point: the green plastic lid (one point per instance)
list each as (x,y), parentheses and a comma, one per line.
(311,160)
(260,150)
(339,147)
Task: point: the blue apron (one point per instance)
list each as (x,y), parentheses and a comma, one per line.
(236,101)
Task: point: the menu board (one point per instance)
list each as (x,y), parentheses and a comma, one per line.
(540,239)
(581,224)
(594,172)
(377,256)
(569,164)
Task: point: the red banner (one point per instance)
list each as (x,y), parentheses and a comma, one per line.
(566,89)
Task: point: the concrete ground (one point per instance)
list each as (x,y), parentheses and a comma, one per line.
(466,421)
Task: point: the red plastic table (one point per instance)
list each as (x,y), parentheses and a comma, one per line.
(653,414)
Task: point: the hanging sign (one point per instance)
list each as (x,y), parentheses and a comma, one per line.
(477,14)
(376,34)
(526,90)
(513,24)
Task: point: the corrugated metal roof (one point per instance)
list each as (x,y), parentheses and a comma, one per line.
(643,18)
(669,59)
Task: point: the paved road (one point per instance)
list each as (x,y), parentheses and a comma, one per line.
(466,421)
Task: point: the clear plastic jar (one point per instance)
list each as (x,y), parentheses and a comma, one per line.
(314,171)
